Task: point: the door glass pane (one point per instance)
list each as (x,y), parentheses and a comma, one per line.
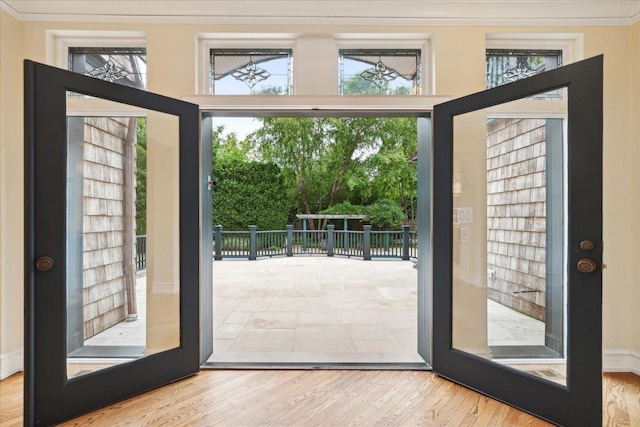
(509,276)
(122,252)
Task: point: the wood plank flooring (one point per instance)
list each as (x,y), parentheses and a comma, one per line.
(322,397)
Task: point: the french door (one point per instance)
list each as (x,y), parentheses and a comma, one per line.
(112,242)
(517,243)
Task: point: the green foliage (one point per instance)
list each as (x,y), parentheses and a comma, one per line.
(141,176)
(344,208)
(248,193)
(357,85)
(393,176)
(385,213)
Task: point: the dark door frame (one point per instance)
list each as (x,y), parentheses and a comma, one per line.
(580,402)
(51,397)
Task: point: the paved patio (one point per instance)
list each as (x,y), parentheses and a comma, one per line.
(315,309)
(320,310)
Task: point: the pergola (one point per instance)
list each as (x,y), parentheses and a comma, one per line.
(345,218)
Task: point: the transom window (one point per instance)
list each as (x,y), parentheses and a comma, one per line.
(508,65)
(379,71)
(251,71)
(121,65)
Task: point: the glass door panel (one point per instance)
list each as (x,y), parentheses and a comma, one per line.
(122,214)
(112,242)
(517,244)
(508,233)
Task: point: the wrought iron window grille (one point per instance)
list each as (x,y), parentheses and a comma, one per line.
(381,71)
(251,67)
(506,66)
(126,66)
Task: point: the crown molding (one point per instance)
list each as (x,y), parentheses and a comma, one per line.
(347,21)
(319,12)
(11,11)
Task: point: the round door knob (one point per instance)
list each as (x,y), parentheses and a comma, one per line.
(586,265)
(44,263)
(586,245)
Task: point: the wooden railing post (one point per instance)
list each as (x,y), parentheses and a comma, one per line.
(289,240)
(330,228)
(218,242)
(406,235)
(253,242)
(367,243)
(304,235)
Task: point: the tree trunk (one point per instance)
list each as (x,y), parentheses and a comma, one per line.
(305,202)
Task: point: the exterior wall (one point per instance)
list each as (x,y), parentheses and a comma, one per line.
(458,60)
(516,217)
(104,287)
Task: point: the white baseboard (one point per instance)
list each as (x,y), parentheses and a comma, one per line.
(11,362)
(621,361)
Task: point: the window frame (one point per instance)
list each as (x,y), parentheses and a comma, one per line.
(421,42)
(342,52)
(262,50)
(207,41)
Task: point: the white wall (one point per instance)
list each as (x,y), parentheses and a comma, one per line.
(458,54)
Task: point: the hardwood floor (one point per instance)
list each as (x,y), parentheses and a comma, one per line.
(333,398)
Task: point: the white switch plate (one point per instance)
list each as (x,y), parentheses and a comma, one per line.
(465,235)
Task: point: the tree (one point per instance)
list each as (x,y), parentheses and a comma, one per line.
(141,176)
(394,177)
(318,154)
(384,213)
(246,192)
(356,85)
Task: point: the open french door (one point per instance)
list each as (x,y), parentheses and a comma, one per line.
(112,260)
(517,243)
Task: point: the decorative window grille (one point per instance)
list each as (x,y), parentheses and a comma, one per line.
(506,66)
(251,71)
(125,66)
(379,71)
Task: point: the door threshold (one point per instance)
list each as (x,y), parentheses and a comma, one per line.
(312,366)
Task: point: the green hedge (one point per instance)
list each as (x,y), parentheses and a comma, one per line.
(249,193)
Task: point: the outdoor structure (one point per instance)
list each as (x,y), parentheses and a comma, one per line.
(365,244)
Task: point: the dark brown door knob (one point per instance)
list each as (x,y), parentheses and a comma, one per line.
(586,265)
(44,263)
(586,245)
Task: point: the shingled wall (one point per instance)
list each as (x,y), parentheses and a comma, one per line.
(104,287)
(516,215)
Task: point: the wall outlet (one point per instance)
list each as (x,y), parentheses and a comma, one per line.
(465,235)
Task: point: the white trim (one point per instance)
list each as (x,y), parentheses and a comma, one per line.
(635,19)
(247,106)
(11,362)
(11,11)
(304,20)
(621,361)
